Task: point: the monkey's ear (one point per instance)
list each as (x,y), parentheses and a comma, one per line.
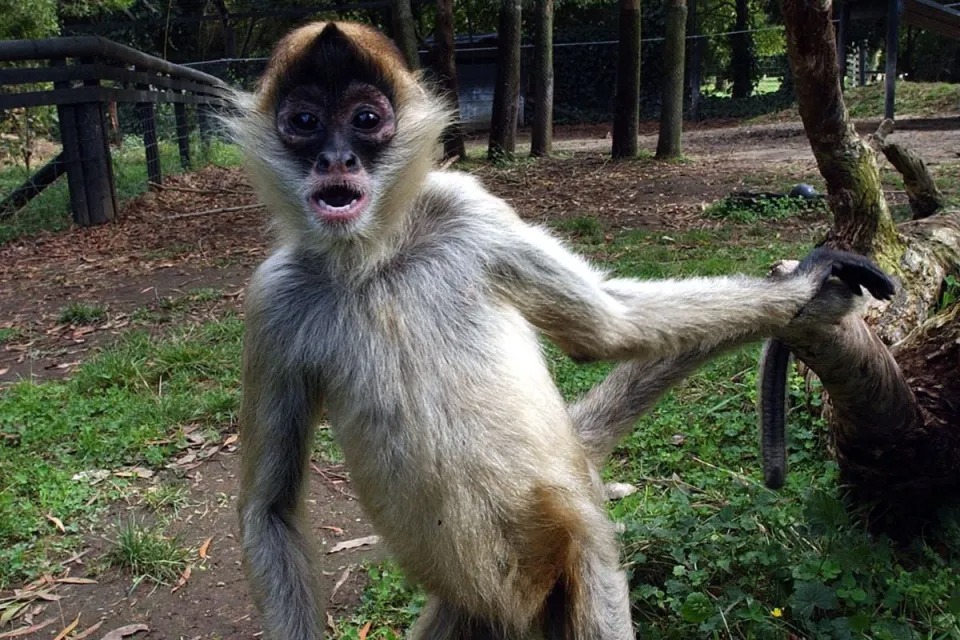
(853,270)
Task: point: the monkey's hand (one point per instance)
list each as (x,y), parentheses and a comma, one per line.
(841,277)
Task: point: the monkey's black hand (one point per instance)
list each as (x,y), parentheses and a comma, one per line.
(853,270)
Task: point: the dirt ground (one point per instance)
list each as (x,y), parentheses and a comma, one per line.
(203,230)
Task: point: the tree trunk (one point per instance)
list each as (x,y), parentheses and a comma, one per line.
(893,411)
(741,52)
(404,31)
(626,115)
(670,143)
(541,143)
(506,92)
(695,71)
(445,66)
(862,220)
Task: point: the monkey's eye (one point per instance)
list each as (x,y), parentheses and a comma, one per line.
(366,120)
(306,122)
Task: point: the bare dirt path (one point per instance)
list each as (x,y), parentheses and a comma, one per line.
(161,250)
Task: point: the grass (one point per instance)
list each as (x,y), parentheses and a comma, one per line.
(128,406)
(739,209)
(911,99)
(147,553)
(82,314)
(50,211)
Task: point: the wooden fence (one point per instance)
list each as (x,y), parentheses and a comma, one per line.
(88,74)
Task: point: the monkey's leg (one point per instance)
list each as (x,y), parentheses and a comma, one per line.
(595,602)
(276,432)
(442,621)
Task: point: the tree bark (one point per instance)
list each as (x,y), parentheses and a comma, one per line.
(695,71)
(670,142)
(893,411)
(405,32)
(541,143)
(445,66)
(861,218)
(924,194)
(741,52)
(506,92)
(626,116)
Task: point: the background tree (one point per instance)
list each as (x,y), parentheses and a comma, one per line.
(506,91)
(670,144)
(892,411)
(742,60)
(404,31)
(541,143)
(445,66)
(626,115)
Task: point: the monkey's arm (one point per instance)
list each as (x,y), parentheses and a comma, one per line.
(592,317)
(276,428)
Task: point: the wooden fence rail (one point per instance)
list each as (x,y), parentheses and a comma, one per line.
(87,74)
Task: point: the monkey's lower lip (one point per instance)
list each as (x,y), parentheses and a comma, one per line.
(340,203)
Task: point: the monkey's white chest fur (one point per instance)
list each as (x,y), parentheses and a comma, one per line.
(439,395)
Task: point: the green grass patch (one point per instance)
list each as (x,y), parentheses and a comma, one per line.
(128,406)
(912,98)
(147,553)
(743,209)
(82,314)
(9,334)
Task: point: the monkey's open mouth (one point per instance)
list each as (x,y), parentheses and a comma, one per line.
(338,203)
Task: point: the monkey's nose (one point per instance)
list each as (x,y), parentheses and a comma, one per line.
(338,161)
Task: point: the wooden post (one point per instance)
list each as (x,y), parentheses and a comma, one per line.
(204,124)
(893,28)
(83,131)
(862,64)
(843,34)
(183,133)
(71,155)
(148,120)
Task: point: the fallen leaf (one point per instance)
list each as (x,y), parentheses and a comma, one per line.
(205,547)
(343,578)
(182,582)
(364,631)
(337,531)
(134,472)
(23,631)
(57,522)
(346,545)
(229,441)
(86,633)
(12,612)
(331,623)
(69,580)
(70,627)
(4,371)
(123,632)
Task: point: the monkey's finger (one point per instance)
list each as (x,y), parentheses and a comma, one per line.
(854,270)
(867,275)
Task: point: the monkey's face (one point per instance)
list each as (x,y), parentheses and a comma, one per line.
(337,136)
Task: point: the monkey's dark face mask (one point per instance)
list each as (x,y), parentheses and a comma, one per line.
(337,120)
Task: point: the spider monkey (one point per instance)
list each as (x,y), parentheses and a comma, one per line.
(406,303)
